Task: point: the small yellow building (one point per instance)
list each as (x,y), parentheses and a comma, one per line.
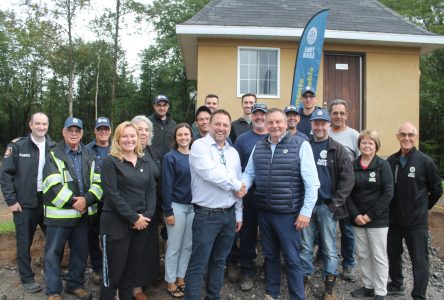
(371,57)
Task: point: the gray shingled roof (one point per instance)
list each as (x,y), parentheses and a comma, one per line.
(347,15)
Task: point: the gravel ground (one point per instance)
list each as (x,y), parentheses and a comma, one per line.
(10,286)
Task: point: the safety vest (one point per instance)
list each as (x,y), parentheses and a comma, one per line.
(63,177)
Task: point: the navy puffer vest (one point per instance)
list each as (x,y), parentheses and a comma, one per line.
(279,185)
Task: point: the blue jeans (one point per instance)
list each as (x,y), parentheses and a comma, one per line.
(56,238)
(213,235)
(347,243)
(324,222)
(279,233)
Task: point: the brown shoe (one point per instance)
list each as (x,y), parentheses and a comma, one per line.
(55,297)
(80,293)
(140,296)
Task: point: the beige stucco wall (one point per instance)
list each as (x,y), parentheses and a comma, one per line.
(391,81)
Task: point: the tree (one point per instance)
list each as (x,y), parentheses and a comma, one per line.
(428,14)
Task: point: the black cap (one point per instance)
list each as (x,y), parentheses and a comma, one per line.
(291,108)
(259,106)
(308,89)
(159,98)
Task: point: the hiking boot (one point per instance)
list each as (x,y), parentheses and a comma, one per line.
(32,287)
(233,273)
(80,293)
(377,297)
(307,285)
(246,283)
(348,274)
(392,289)
(55,297)
(329,292)
(363,292)
(97,278)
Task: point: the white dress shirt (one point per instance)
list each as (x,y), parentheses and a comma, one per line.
(215,174)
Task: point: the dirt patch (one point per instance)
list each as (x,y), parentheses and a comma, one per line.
(436,226)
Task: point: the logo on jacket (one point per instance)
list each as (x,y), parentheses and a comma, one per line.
(322,161)
(412,172)
(372,177)
(8,152)
(24,155)
(285,151)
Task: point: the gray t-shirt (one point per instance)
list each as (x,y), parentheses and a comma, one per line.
(349,139)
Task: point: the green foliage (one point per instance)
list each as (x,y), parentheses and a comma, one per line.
(7,227)
(428,14)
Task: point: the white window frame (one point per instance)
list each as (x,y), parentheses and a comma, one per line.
(278,81)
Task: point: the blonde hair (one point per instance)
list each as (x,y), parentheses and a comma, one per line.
(371,134)
(116,150)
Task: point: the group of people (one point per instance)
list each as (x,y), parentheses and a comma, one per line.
(293,175)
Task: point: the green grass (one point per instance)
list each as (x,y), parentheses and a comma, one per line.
(7,227)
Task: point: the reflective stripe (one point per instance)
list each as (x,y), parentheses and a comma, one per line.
(51,180)
(96,178)
(92,210)
(60,213)
(96,190)
(62,197)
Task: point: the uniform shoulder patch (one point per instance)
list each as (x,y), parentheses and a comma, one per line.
(8,152)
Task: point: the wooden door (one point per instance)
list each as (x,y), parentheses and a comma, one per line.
(343,79)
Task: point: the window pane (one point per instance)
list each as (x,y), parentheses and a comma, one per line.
(252,87)
(244,57)
(272,58)
(243,86)
(243,72)
(263,57)
(253,72)
(253,57)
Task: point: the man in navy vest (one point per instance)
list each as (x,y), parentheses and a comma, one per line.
(284,171)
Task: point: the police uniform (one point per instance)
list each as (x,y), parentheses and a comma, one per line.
(18,179)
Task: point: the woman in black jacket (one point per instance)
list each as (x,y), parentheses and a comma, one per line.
(129,206)
(368,206)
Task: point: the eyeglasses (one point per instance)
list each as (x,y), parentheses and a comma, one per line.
(404,135)
(73,130)
(222,157)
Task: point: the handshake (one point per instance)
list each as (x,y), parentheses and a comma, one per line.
(242,192)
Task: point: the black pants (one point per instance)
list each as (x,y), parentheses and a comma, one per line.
(25,225)
(416,241)
(123,258)
(95,254)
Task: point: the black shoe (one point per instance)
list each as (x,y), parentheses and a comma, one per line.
(32,287)
(395,290)
(363,292)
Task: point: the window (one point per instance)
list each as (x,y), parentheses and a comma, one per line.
(258,71)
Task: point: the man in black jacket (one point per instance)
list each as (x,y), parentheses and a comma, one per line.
(336,177)
(417,189)
(21,182)
(163,125)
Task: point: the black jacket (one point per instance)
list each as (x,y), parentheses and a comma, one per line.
(238,127)
(417,189)
(372,192)
(163,133)
(18,177)
(342,179)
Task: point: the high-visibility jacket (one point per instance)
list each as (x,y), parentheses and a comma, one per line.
(60,185)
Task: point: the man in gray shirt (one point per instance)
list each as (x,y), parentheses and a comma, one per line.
(348,137)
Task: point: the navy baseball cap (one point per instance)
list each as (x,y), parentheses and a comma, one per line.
(102,122)
(159,98)
(259,106)
(291,108)
(320,114)
(71,121)
(308,89)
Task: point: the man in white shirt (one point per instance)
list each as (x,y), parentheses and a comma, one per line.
(215,168)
